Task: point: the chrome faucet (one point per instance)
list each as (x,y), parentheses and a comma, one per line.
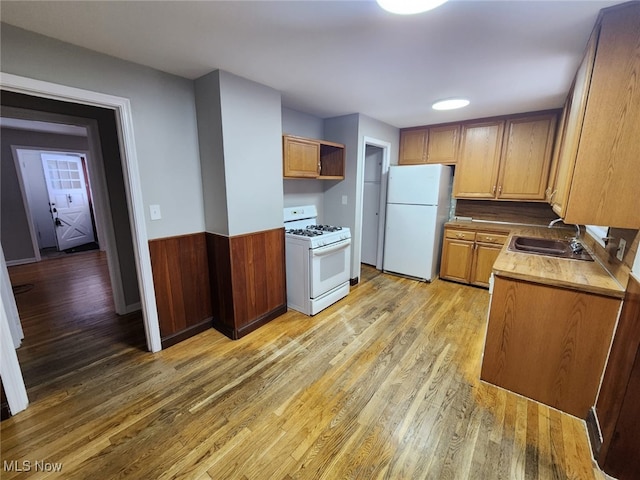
(553,222)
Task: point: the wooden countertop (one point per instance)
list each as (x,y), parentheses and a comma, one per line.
(585,276)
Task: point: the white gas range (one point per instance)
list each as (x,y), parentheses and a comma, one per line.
(318,260)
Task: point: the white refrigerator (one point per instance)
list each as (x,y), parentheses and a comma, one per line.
(418,201)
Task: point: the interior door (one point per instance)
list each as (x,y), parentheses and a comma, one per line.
(68,200)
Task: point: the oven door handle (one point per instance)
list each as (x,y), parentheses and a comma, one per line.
(318,252)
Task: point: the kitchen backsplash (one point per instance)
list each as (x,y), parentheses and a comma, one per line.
(514,212)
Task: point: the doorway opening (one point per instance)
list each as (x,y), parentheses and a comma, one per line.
(374,193)
(116,112)
(65,303)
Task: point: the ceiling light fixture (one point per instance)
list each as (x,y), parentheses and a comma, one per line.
(450,104)
(409,7)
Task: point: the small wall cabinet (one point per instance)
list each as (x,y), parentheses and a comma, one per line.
(310,158)
(438,144)
(468,255)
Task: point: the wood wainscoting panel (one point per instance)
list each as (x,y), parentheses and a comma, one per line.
(534,213)
(181,280)
(247,280)
(219,255)
(617,407)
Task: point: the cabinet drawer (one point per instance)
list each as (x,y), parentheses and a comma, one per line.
(496,238)
(460,234)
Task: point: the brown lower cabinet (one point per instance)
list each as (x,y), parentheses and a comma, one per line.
(548,343)
(468,255)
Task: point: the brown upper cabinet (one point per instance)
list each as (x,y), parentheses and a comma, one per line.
(506,158)
(477,170)
(413,146)
(310,158)
(437,144)
(597,170)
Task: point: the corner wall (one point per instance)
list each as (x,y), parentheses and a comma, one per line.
(351,131)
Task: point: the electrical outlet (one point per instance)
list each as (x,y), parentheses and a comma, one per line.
(622,244)
(344,199)
(154,212)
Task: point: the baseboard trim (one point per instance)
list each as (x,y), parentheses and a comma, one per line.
(186,333)
(237,333)
(134,307)
(21,261)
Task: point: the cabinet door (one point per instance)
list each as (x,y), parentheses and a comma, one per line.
(413,146)
(484,257)
(549,344)
(456,260)
(526,157)
(604,189)
(574,114)
(477,171)
(301,157)
(442,145)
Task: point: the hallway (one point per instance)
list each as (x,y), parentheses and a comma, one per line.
(67,314)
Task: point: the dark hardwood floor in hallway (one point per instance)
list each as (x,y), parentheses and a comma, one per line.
(69,320)
(383,384)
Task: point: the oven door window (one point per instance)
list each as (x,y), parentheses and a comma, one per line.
(329,267)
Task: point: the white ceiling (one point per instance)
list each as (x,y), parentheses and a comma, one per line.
(331,58)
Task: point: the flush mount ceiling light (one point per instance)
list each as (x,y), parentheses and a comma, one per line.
(409,7)
(450,104)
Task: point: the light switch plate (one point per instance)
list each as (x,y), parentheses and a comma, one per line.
(154,212)
(344,199)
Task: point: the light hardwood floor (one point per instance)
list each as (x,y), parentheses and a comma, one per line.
(383,384)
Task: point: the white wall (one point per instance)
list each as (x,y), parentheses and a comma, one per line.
(252,128)
(302,124)
(37,197)
(240,130)
(207,93)
(351,131)
(164,118)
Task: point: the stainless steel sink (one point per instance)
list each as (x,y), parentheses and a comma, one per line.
(549,247)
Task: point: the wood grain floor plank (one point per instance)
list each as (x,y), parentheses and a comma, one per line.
(382,385)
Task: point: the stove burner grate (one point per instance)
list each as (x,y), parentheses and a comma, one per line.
(324,228)
(305,232)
